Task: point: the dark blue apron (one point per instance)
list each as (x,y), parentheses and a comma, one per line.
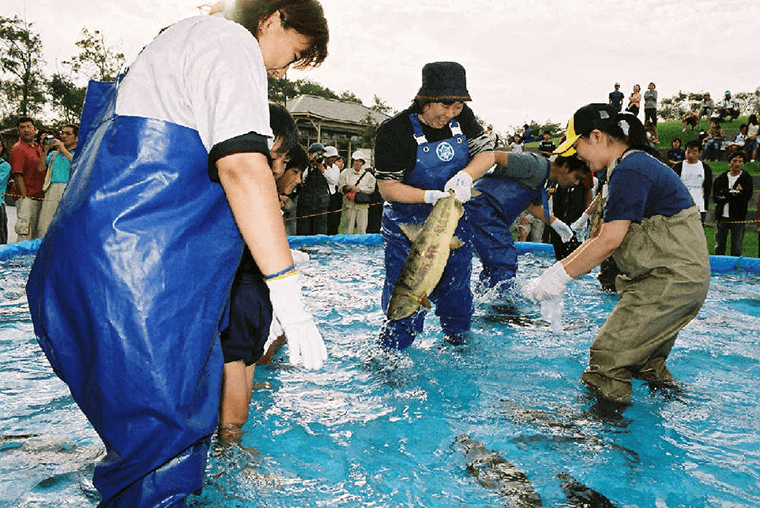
(491,213)
(436,164)
(127,295)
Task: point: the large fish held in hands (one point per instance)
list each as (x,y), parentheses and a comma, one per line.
(431,244)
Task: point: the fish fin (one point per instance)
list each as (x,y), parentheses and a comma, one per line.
(455,242)
(412,231)
(475,193)
(425,302)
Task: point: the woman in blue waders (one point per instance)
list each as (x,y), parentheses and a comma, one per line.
(129,289)
(420,154)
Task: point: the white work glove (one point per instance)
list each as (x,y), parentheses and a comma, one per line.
(275,330)
(299,257)
(580,222)
(563,230)
(551,284)
(305,343)
(431,196)
(461,184)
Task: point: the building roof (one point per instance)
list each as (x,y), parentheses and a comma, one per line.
(331,109)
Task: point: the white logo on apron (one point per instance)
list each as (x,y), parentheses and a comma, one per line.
(445,151)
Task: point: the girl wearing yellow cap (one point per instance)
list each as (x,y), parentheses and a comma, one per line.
(653,231)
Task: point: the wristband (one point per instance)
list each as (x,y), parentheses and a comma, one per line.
(291,270)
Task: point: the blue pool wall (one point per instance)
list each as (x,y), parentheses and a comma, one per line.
(718,264)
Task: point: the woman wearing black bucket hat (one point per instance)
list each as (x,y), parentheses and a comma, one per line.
(653,231)
(434,146)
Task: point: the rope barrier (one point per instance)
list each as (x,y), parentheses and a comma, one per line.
(18,196)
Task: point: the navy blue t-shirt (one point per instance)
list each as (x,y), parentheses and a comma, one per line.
(641,187)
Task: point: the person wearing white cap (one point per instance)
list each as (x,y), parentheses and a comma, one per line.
(356,184)
(653,230)
(332,175)
(728,107)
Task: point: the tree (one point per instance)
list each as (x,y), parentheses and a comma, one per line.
(66,97)
(347,96)
(96,60)
(368,131)
(21,59)
(282,89)
(381,106)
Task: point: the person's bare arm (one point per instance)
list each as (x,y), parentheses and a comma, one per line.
(596,250)
(249,185)
(393,190)
(20,184)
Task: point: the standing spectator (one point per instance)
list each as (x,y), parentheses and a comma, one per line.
(732,191)
(616,98)
(314,195)
(547,146)
(56,162)
(5,174)
(675,154)
(129,287)
(357,185)
(634,100)
(696,176)
(714,141)
(728,107)
(332,175)
(27,180)
(750,142)
(706,107)
(517,146)
(650,105)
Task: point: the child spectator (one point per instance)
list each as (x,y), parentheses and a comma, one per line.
(696,175)
(517,146)
(714,141)
(547,146)
(675,154)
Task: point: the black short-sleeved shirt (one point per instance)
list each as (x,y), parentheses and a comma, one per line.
(396,148)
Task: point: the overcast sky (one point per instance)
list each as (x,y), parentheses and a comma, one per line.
(526,60)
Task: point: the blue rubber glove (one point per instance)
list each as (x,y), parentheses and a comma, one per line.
(461,184)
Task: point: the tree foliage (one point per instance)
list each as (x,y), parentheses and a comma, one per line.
(282,89)
(66,98)
(96,60)
(23,84)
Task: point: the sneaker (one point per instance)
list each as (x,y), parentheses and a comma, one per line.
(684,130)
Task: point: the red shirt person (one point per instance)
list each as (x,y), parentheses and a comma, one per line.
(27,180)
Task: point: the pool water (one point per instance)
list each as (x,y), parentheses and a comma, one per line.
(376,429)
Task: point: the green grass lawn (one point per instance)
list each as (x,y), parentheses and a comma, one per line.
(749,245)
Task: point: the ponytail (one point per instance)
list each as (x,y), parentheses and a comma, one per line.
(631,131)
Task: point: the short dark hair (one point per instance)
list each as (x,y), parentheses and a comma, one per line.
(676,139)
(736,154)
(298,158)
(573,163)
(694,143)
(24,119)
(283,126)
(74,128)
(304,16)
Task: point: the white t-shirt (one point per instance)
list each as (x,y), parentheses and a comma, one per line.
(332,175)
(731,182)
(693,176)
(205,73)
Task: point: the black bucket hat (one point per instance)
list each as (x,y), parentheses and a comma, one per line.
(443,81)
